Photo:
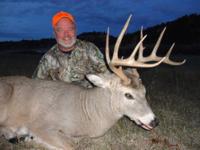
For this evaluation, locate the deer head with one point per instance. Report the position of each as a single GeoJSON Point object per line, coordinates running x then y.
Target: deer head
{"type": "Point", "coordinates": [129, 86]}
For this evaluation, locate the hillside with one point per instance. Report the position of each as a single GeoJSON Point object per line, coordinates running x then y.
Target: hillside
{"type": "Point", "coordinates": [185, 31]}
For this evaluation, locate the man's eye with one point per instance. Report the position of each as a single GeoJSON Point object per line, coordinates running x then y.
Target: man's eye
{"type": "Point", "coordinates": [129, 96]}
{"type": "Point", "coordinates": [59, 30]}
{"type": "Point", "coordinates": [71, 29]}
{"type": "Point", "coordinates": [62, 31]}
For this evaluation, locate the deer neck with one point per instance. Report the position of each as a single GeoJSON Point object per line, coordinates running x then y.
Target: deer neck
{"type": "Point", "coordinates": [99, 103]}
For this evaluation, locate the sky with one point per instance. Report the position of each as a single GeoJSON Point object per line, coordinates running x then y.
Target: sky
{"type": "Point", "coordinates": [31, 19]}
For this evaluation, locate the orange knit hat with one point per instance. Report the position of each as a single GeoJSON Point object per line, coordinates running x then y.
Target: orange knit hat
{"type": "Point", "coordinates": [60, 15]}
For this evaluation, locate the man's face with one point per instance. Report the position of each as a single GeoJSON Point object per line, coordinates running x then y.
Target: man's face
{"type": "Point", "coordinates": [65, 33]}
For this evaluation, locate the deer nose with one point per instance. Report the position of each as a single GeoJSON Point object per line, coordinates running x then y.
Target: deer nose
{"type": "Point", "coordinates": [154, 123]}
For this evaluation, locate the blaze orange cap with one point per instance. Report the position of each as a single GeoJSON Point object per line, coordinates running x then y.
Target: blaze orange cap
{"type": "Point", "coordinates": [60, 15]}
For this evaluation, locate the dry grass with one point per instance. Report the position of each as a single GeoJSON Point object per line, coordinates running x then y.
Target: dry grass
{"type": "Point", "coordinates": [172, 92]}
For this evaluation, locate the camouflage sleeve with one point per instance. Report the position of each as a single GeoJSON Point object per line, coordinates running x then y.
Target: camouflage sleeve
{"type": "Point", "coordinates": [97, 59]}
{"type": "Point", "coordinates": [46, 68]}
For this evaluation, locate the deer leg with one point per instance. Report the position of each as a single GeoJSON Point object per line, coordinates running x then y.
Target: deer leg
{"type": "Point", "coordinates": [51, 139]}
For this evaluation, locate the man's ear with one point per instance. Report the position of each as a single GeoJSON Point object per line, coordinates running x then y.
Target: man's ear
{"type": "Point", "coordinates": [97, 80]}
{"type": "Point", "coordinates": [54, 34]}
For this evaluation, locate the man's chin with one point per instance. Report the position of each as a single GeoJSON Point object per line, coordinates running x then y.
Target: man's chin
{"type": "Point", "coordinates": [65, 48]}
{"type": "Point", "coordinates": [64, 45]}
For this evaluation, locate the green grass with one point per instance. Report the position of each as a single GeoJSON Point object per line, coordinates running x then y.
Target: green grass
{"type": "Point", "coordinates": [172, 92]}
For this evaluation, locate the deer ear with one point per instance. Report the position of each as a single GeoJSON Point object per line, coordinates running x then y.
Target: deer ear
{"type": "Point", "coordinates": [97, 80]}
{"type": "Point", "coordinates": [134, 76]}
{"type": "Point", "coordinates": [132, 72]}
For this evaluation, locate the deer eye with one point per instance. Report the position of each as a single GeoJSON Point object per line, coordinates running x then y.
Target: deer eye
{"type": "Point", "coordinates": [129, 96]}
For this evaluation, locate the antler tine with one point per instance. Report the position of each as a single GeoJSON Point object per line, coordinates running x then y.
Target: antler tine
{"type": "Point", "coordinates": [168, 61]}
{"type": "Point", "coordinates": [141, 48]}
{"type": "Point", "coordinates": [137, 47]}
{"type": "Point", "coordinates": [107, 47]}
{"type": "Point", "coordinates": [153, 53]}
{"type": "Point", "coordinates": [119, 39]}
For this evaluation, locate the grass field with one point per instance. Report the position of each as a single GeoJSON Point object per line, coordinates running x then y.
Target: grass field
{"type": "Point", "coordinates": [172, 92]}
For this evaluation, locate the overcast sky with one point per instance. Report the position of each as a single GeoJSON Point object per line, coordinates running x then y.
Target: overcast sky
{"type": "Point", "coordinates": [31, 19]}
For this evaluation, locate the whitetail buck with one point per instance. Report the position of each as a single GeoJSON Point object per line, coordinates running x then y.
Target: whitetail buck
{"type": "Point", "coordinates": [54, 113]}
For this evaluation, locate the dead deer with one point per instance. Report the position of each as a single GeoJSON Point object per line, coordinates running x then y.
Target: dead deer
{"type": "Point", "coordinates": [54, 113]}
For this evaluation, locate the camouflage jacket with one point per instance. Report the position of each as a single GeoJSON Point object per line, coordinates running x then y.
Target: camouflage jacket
{"type": "Point", "coordinates": [71, 66]}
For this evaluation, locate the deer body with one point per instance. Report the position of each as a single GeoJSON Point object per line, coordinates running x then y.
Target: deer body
{"type": "Point", "coordinates": [74, 105]}
{"type": "Point", "coordinates": [66, 109]}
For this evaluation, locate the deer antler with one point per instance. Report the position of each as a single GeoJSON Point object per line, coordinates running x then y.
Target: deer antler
{"type": "Point", "coordinates": [116, 64]}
